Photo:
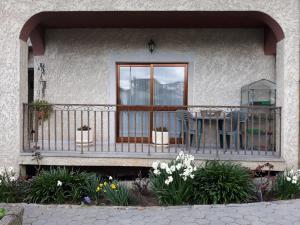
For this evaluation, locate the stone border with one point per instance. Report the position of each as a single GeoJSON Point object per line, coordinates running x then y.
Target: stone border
{"type": "Point", "coordinates": [14, 215]}
{"type": "Point", "coordinates": [278, 202]}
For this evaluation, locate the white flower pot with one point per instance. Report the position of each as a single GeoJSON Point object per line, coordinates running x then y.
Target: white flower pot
{"type": "Point", "coordinates": [161, 138]}
{"type": "Point", "coordinates": [86, 139]}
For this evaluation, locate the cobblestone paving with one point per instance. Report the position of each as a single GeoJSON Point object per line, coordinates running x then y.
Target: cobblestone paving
{"type": "Point", "coordinates": [282, 212]}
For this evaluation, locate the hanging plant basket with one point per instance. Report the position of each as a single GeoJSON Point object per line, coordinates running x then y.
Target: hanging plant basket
{"type": "Point", "coordinates": [42, 109]}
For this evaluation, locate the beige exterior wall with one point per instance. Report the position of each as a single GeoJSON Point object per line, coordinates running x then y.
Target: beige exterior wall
{"type": "Point", "coordinates": [14, 14]}
{"type": "Point", "coordinates": [81, 63]}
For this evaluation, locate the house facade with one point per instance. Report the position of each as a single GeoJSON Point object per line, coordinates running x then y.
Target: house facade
{"type": "Point", "coordinates": [127, 82]}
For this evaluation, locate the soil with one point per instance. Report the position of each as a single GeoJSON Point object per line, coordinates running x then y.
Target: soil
{"type": "Point", "coordinates": [146, 199]}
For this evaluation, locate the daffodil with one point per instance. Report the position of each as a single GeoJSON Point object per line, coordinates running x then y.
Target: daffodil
{"type": "Point", "coordinates": [98, 189]}
{"type": "Point", "coordinates": [100, 185]}
{"type": "Point", "coordinates": [105, 183]}
{"type": "Point", "coordinates": [59, 183]}
{"type": "Point", "coordinates": [113, 186]}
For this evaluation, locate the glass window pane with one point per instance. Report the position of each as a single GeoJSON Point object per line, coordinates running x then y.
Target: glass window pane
{"type": "Point", "coordinates": [169, 85]}
{"type": "Point", "coordinates": [137, 126]}
{"type": "Point", "coordinates": [134, 85]}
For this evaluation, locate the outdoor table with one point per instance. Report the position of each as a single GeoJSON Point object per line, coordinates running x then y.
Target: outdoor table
{"type": "Point", "coordinates": [201, 121]}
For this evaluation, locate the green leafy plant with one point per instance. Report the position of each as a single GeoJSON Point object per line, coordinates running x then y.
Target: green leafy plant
{"type": "Point", "coordinates": [172, 183]}
{"type": "Point", "coordinates": [161, 129]}
{"type": "Point", "coordinates": [11, 188]}
{"type": "Point", "coordinates": [116, 193]}
{"type": "Point", "coordinates": [91, 185]}
{"type": "Point", "coordinates": [221, 183]}
{"type": "Point", "coordinates": [42, 108]}
{"type": "Point", "coordinates": [84, 128]}
{"type": "Point", "coordinates": [2, 213]}
{"type": "Point", "coordinates": [288, 185]}
{"type": "Point", "coordinates": [59, 186]}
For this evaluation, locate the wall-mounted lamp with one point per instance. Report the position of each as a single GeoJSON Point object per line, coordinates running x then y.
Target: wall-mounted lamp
{"type": "Point", "coordinates": [151, 46]}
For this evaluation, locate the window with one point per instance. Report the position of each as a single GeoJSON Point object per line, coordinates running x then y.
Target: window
{"type": "Point", "coordinates": [143, 89]}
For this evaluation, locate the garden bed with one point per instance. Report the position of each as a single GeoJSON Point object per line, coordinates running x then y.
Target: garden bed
{"type": "Point", "coordinates": [179, 182]}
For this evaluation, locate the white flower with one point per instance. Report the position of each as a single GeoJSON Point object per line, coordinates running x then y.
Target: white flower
{"type": "Point", "coordinates": [155, 165]}
{"type": "Point", "coordinates": [173, 168]}
{"type": "Point", "coordinates": [12, 179]}
{"type": "Point", "coordinates": [2, 171]}
{"type": "Point", "coordinates": [59, 183]}
{"type": "Point", "coordinates": [163, 165]}
{"type": "Point", "coordinates": [178, 166]}
{"type": "Point", "coordinates": [294, 182]}
{"type": "Point", "coordinates": [288, 179]}
{"type": "Point", "coordinates": [180, 156]}
{"type": "Point", "coordinates": [295, 178]}
{"type": "Point", "coordinates": [192, 176]}
{"type": "Point", "coordinates": [168, 170]}
{"type": "Point", "coordinates": [0, 181]}
{"type": "Point", "coordinates": [110, 178]}
{"type": "Point", "coordinates": [169, 180]}
{"type": "Point", "coordinates": [10, 169]}
{"type": "Point", "coordinates": [156, 172]}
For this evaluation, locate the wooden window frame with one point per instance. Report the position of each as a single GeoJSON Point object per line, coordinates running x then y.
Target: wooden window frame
{"type": "Point", "coordinates": [151, 107]}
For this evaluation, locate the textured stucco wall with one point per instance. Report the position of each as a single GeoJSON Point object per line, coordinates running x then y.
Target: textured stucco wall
{"type": "Point", "coordinates": [15, 13]}
{"type": "Point", "coordinates": [80, 64]}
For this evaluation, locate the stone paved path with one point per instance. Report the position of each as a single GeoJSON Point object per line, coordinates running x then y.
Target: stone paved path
{"type": "Point", "coordinates": [282, 212]}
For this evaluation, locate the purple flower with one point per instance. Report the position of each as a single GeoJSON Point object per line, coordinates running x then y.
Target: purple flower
{"type": "Point", "coordinates": [87, 200]}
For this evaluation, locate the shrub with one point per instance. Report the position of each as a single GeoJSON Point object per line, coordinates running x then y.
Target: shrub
{"type": "Point", "coordinates": [59, 186]}
{"type": "Point", "coordinates": [140, 185]}
{"type": "Point", "coordinates": [11, 188]}
{"type": "Point", "coordinates": [116, 193]}
{"type": "Point", "coordinates": [172, 183]}
{"type": "Point", "coordinates": [288, 185]}
{"type": "Point", "coordinates": [221, 183]}
{"type": "Point", "coordinates": [265, 181]}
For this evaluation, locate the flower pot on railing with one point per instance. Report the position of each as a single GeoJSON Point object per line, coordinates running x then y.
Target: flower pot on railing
{"type": "Point", "coordinates": [84, 136]}
{"type": "Point", "coordinates": [160, 136]}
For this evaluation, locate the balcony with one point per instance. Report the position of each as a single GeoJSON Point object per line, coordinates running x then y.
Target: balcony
{"type": "Point", "coordinates": [208, 132]}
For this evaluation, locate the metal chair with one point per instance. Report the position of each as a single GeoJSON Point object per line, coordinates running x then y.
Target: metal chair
{"type": "Point", "coordinates": [187, 127]}
{"type": "Point", "coordinates": [231, 129]}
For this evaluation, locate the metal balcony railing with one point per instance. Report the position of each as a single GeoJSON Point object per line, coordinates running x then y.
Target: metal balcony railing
{"type": "Point", "coordinates": [146, 130]}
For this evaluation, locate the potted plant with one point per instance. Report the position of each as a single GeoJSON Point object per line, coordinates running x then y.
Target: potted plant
{"type": "Point", "coordinates": [160, 136]}
{"type": "Point", "coordinates": [84, 135]}
{"type": "Point", "coordinates": [42, 108]}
